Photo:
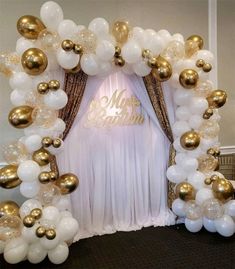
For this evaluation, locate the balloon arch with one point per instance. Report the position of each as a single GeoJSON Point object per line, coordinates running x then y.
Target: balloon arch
{"type": "Point", "coordinates": [42, 226]}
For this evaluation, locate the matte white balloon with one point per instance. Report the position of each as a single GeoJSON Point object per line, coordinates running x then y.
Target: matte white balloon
{"type": "Point", "coordinates": [22, 44]}
{"type": "Point", "coordinates": [17, 97]}
{"type": "Point", "coordinates": [141, 68]}
{"type": "Point", "coordinates": [198, 105]}
{"type": "Point", "coordinates": [175, 174]}
{"type": "Point", "coordinates": [29, 189]}
{"type": "Point", "coordinates": [50, 244]}
{"type": "Point", "coordinates": [180, 127]}
{"type": "Point", "coordinates": [104, 68]}
{"type": "Point", "coordinates": [230, 208]}
{"type": "Point", "coordinates": [177, 145]}
{"type": "Point", "coordinates": [59, 254]}
{"type": "Point", "coordinates": [137, 34]}
{"type": "Point", "coordinates": [36, 253]}
{"type": "Point", "coordinates": [206, 55]}
{"type": "Point", "coordinates": [33, 143]}
{"type": "Point", "coordinates": [89, 64]}
{"type": "Point", "coordinates": [183, 113]}
{"type": "Point", "coordinates": [195, 121]}
{"type": "Point", "coordinates": [51, 213]}
{"type": "Point", "coordinates": [67, 59]}
{"type": "Point", "coordinates": [29, 234]}
{"type": "Point", "coordinates": [189, 164]}
{"type": "Point", "coordinates": [67, 29]}
{"type": "Point", "coordinates": [203, 194]}
{"type": "Point", "coordinates": [128, 69]}
{"type": "Point", "coordinates": [99, 26]}
{"type": "Point", "coordinates": [29, 205]}
{"type": "Point", "coordinates": [15, 250]}
{"type": "Point", "coordinates": [166, 36]}
{"type": "Point", "coordinates": [209, 225]}
{"type": "Point", "coordinates": [225, 226]}
{"type": "Point", "coordinates": [153, 42]}
{"type": "Point", "coordinates": [197, 180]}
{"type": "Point", "coordinates": [67, 228]}
{"type": "Point", "coordinates": [51, 14]}
{"type": "Point", "coordinates": [193, 226]}
{"type": "Point", "coordinates": [56, 99]}
{"type": "Point", "coordinates": [105, 50]}
{"type": "Point", "coordinates": [28, 171]}
{"type": "Point", "coordinates": [131, 52]}
{"type": "Point", "coordinates": [21, 81]}
{"type": "Point", "coordinates": [2, 246]}
{"type": "Point", "coordinates": [178, 207]}
{"type": "Point", "coordinates": [182, 97]}
{"type": "Point", "coordinates": [180, 158]}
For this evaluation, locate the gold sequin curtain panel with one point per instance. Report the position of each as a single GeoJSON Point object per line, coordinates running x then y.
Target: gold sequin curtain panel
{"type": "Point", "coordinates": [156, 96]}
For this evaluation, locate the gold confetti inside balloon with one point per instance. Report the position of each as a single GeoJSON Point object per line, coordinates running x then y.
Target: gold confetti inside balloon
{"type": "Point", "coordinates": [21, 117]}
{"type": "Point", "coordinates": [162, 70]}
{"type": "Point", "coordinates": [191, 47]}
{"type": "Point", "coordinates": [67, 183]}
{"type": "Point", "coordinates": [217, 98]}
{"type": "Point", "coordinates": [48, 40]}
{"type": "Point", "coordinates": [34, 61]}
{"type": "Point", "coordinates": [8, 177]}
{"type": "Point", "coordinates": [88, 40]}
{"type": "Point", "coordinates": [223, 189]}
{"type": "Point", "coordinates": [49, 194]}
{"type": "Point", "coordinates": [207, 163]}
{"type": "Point", "coordinates": [120, 31]}
{"type": "Point", "coordinates": [190, 140]}
{"type": "Point", "coordinates": [9, 208]}
{"type": "Point", "coordinates": [188, 78]}
{"type": "Point", "coordinates": [185, 191]}
{"type": "Point", "coordinates": [15, 152]}
{"type": "Point", "coordinates": [42, 157]}
{"type": "Point", "coordinates": [203, 89]}
{"type": "Point", "coordinates": [44, 116]}
{"type": "Point", "coordinates": [209, 129]}
{"type": "Point", "coordinates": [33, 98]}
{"type": "Point", "coordinates": [10, 227]}
{"type": "Point", "coordinates": [30, 26]}
{"type": "Point", "coordinates": [174, 51]}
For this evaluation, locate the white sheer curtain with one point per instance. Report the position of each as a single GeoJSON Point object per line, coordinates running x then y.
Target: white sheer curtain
{"type": "Point", "coordinates": [122, 169]}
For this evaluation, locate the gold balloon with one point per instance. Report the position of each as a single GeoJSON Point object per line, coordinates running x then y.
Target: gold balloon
{"type": "Point", "coordinates": [198, 39]}
{"type": "Point", "coordinates": [29, 221]}
{"type": "Point", "coordinates": [190, 140]}
{"type": "Point", "coordinates": [146, 54]}
{"type": "Point", "coordinates": [185, 191]}
{"type": "Point", "coordinates": [191, 47]}
{"type": "Point", "coordinates": [57, 143]}
{"type": "Point", "coordinates": [53, 175]}
{"type": "Point", "coordinates": [208, 113]}
{"type": "Point", "coordinates": [21, 117]}
{"type": "Point", "coordinates": [54, 85]}
{"type": "Point", "coordinates": [29, 26]}
{"type": "Point", "coordinates": [8, 177]}
{"type": "Point", "coordinates": [217, 98]}
{"type": "Point", "coordinates": [67, 45]}
{"type": "Point", "coordinates": [162, 70]}
{"type": "Point", "coordinates": [36, 213]}
{"type": "Point", "coordinates": [117, 51]}
{"type": "Point", "coordinates": [44, 177]}
{"type": "Point", "coordinates": [43, 88]}
{"type": "Point", "coordinates": [200, 63]}
{"type": "Point", "coordinates": [119, 61]}
{"type": "Point", "coordinates": [10, 227]}
{"type": "Point", "coordinates": [47, 142]}
{"type": "Point", "coordinates": [50, 234]}
{"type": "Point", "coordinates": [40, 231]}
{"type": "Point", "coordinates": [34, 61]}
{"type": "Point", "coordinates": [120, 31]}
{"type": "Point", "coordinates": [67, 183]}
{"type": "Point", "coordinates": [9, 208]}
{"type": "Point", "coordinates": [188, 78]}
{"type": "Point", "coordinates": [42, 157]}
{"type": "Point", "coordinates": [223, 189]}
{"type": "Point", "coordinates": [77, 48]}
{"type": "Point", "coordinates": [207, 67]}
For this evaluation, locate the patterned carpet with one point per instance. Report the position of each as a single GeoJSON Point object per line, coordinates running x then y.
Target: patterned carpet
{"type": "Point", "coordinates": [150, 248]}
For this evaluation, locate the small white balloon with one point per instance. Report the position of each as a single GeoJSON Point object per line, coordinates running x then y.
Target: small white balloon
{"type": "Point", "coordinates": [105, 50]}
{"type": "Point", "coordinates": [29, 189]}
{"type": "Point", "coordinates": [193, 226]}
{"type": "Point", "coordinates": [195, 121]}
{"type": "Point", "coordinates": [67, 228]}
{"type": "Point", "coordinates": [230, 208]}
{"type": "Point", "coordinates": [196, 179]}
{"type": "Point", "coordinates": [67, 59]}
{"type": "Point", "coordinates": [67, 29]}
{"type": "Point", "coordinates": [178, 207]}
{"type": "Point", "coordinates": [131, 52]}
{"type": "Point", "coordinates": [99, 26]}
{"type": "Point", "coordinates": [33, 143]}
{"type": "Point", "coordinates": [203, 194]}
{"type": "Point", "coordinates": [104, 68]}
{"type": "Point", "coordinates": [36, 253]}
{"type": "Point", "coordinates": [198, 105]}
{"type": "Point", "coordinates": [209, 225]}
{"type": "Point", "coordinates": [59, 254]}
{"type": "Point", "coordinates": [175, 174]}
{"type": "Point", "coordinates": [56, 99]}
{"type": "Point", "coordinates": [17, 97]}
{"type": "Point", "coordinates": [22, 44]}
{"type": "Point", "coordinates": [141, 68]}
{"type": "Point", "coordinates": [178, 37]}
{"type": "Point", "coordinates": [15, 250]}
{"type": "Point", "coordinates": [225, 226]}
{"type": "Point", "coordinates": [28, 171]}
{"type": "Point", "coordinates": [89, 64]}
{"type": "Point", "coordinates": [21, 81]}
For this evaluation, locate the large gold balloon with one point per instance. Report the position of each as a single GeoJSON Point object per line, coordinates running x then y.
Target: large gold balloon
{"type": "Point", "coordinates": [217, 98]}
{"type": "Point", "coordinates": [185, 191]}
{"type": "Point", "coordinates": [190, 140]}
{"type": "Point", "coordinates": [120, 31]}
{"type": "Point", "coordinates": [188, 78]}
{"type": "Point", "coordinates": [8, 177]}
{"type": "Point", "coordinates": [198, 39]}
{"type": "Point", "coordinates": [42, 157]}
{"type": "Point", "coordinates": [9, 208]}
{"type": "Point", "coordinates": [10, 227]}
{"type": "Point", "coordinates": [223, 189]}
{"type": "Point", "coordinates": [29, 26]}
{"type": "Point", "coordinates": [162, 70]}
{"type": "Point", "coordinates": [21, 117]}
{"type": "Point", "coordinates": [34, 61]}
{"type": "Point", "coordinates": [67, 183]}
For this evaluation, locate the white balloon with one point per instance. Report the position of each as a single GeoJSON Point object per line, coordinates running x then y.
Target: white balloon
{"type": "Point", "coordinates": [21, 81]}
{"type": "Point", "coordinates": [99, 26]}
{"type": "Point", "coordinates": [28, 171]}
{"type": "Point", "coordinates": [105, 50]}
{"type": "Point", "coordinates": [56, 151]}
{"type": "Point", "coordinates": [182, 97]}
{"type": "Point", "coordinates": [153, 42]}
{"type": "Point", "coordinates": [29, 189]}
{"type": "Point", "coordinates": [67, 59]}
{"type": "Point", "coordinates": [180, 158]}
{"type": "Point", "coordinates": [198, 105]}
{"type": "Point", "coordinates": [56, 99]}
{"type": "Point", "coordinates": [230, 208]}
{"type": "Point", "coordinates": [183, 113]}
{"type": "Point", "coordinates": [209, 225]}
{"type": "Point", "coordinates": [189, 165]}
{"type": "Point", "coordinates": [58, 128]}
{"type": "Point", "coordinates": [67, 228]}
{"type": "Point", "coordinates": [193, 226]}
{"type": "Point", "coordinates": [33, 143]}
{"type": "Point", "coordinates": [29, 205]}
{"type": "Point", "coordinates": [225, 226]}
{"type": "Point", "coordinates": [177, 145]}
{"type": "Point", "coordinates": [52, 61]}
{"type": "Point", "coordinates": [205, 144]}
{"type": "Point", "coordinates": [180, 127]}
{"type": "Point", "coordinates": [203, 194]}
{"type": "Point", "coordinates": [196, 152]}
{"type": "Point", "coordinates": [141, 68]}
{"type": "Point", "coordinates": [184, 64]}
{"type": "Point", "coordinates": [15, 250]}
{"type": "Point", "coordinates": [104, 68]}
{"type": "Point", "coordinates": [195, 121]}
{"type": "Point", "coordinates": [197, 180]}
{"type": "Point", "coordinates": [206, 55]}
{"type": "Point", "coordinates": [128, 69]}
{"type": "Point", "coordinates": [17, 97]}
{"type": "Point", "coordinates": [66, 214]}
{"type": "Point", "coordinates": [63, 204]}
{"type": "Point", "coordinates": [178, 207]}
{"type": "Point", "coordinates": [178, 37]}
{"type": "Point", "coordinates": [22, 44]}
{"type": "Point", "coordinates": [51, 213]}
{"type": "Point", "coordinates": [29, 234]}
{"type": "Point", "coordinates": [50, 244]}
{"type": "Point", "coordinates": [2, 246]}
{"type": "Point", "coordinates": [59, 254]}
{"type": "Point", "coordinates": [51, 14]}
{"type": "Point", "coordinates": [36, 253]}
{"type": "Point", "coordinates": [138, 35]}
{"type": "Point", "coordinates": [67, 29]}
{"type": "Point", "coordinates": [131, 52]}
{"type": "Point", "coordinates": [175, 174]}
{"type": "Point", "coordinates": [89, 64]}
{"type": "Point", "coordinates": [166, 36]}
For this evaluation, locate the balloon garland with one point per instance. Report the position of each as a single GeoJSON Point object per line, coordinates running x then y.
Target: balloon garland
{"type": "Point", "coordinates": [42, 225]}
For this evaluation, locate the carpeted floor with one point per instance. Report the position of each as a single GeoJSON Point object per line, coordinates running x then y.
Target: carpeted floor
{"type": "Point", "coordinates": [157, 248]}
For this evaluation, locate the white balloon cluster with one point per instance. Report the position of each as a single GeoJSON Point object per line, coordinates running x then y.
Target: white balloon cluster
{"type": "Point", "coordinates": [36, 246]}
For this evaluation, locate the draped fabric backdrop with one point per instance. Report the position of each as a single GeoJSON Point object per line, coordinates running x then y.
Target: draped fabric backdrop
{"type": "Point", "coordinates": [122, 169]}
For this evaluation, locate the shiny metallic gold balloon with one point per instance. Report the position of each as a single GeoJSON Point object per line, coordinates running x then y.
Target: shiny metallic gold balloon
{"type": "Point", "coordinates": [10, 227]}
{"type": "Point", "coordinates": [42, 157]}
{"type": "Point", "coordinates": [8, 177]}
{"type": "Point", "coordinates": [146, 54]}
{"type": "Point", "coordinates": [217, 98]}
{"type": "Point", "coordinates": [43, 88]}
{"type": "Point", "coordinates": [119, 61]}
{"type": "Point", "coordinates": [208, 113]}
{"type": "Point", "coordinates": [198, 39]}
{"type": "Point", "coordinates": [207, 67]}
{"type": "Point", "coordinates": [67, 183]}
{"type": "Point", "coordinates": [57, 143]}
{"type": "Point", "coordinates": [50, 234]}
{"type": "Point", "coordinates": [188, 78]}
{"type": "Point", "coordinates": [223, 189]}
{"type": "Point", "coordinates": [29, 221]}
{"type": "Point", "coordinates": [53, 175]}
{"type": "Point", "coordinates": [185, 191]}
{"type": "Point", "coordinates": [67, 45]}
{"type": "Point", "coordinates": [9, 208]}
{"type": "Point", "coordinates": [54, 85]}
{"type": "Point", "coordinates": [120, 31]}
{"type": "Point", "coordinates": [34, 61]}
{"type": "Point", "coordinates": [30, 26]}
{"type": "Point", "coordinates": [117, 51]}
{"type": "Point", "coordinates": [77, 48]}
{"type": "Point", "coordinates": [190, 140]}
{"type": "Point", "coordinates": [21, 117]}
{"type": "Point", "coordinates": [47, 142]}
{"type": "Point", "coordinates": [200, 63]}
{"type": "Point", "coordinates": [152, 62]}
{"type": "Point", "coordinates": [36, 213]}
{"type": "Point", "coordinates": [40, 231]}
{"type": "Point", "coordinates": [44, 177]}
{"type": "Point", "coordinates": [163, 70]}
{"type": "Point", "coordinates": [208, 181]}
